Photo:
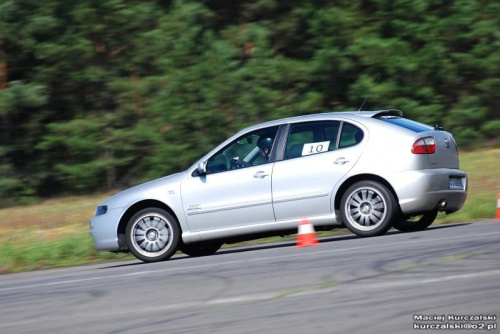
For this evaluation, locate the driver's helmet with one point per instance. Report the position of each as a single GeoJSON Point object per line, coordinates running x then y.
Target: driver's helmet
{"type": "Point", "coordinates": [265, 142]}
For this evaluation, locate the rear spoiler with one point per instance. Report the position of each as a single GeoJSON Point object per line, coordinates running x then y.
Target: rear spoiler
{"type": "Point", "coordinates": [390, 112]}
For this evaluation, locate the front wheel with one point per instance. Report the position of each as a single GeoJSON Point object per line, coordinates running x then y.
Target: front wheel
{"type": "Point", "coordinates": [152, 235]}
{"type": "Point", "coordinates": [416, 223]}
{"type": "Point", "coordinates": [368, 208]}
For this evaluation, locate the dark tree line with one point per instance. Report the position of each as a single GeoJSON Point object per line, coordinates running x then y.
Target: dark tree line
{"type": "Point", "coordinates": [99, 94]}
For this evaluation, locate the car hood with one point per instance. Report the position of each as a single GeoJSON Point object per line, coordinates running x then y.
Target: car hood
{"type": "Point", "coordinates": [156, 189]}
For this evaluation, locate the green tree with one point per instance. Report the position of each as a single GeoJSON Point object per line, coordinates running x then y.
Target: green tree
{"type": "Point", "coordinates": [102, 94]}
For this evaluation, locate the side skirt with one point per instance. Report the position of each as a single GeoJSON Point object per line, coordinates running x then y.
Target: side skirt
{"type": "Point", "coordinates": [255, 231]}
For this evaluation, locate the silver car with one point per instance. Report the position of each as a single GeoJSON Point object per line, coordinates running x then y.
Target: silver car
{"type": "Point", "coordinates": [369, 171]}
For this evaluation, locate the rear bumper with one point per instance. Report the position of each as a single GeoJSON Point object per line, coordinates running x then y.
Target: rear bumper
{"type": "Point", "coordinates": [423, 190]}
{"type": "Point", "coordinates": [104, 230]}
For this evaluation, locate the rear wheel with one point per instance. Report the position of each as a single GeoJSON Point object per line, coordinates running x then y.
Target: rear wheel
{"type": "Point", "coordinates": [416, 223]}
{"type": "Point", "coordinates": [201, 248]}
{"type": "Point", "coordinates": [368, 208]}
{"type": "Point", "coordinates": [152, 235]}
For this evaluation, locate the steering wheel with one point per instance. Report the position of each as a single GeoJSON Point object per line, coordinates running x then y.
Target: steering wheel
{"type": "Point", "coordinates": [237, 163]}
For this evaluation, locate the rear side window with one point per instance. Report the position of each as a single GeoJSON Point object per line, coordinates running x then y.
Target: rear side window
{"type": "Point", "coordinates": [407, 124]}
{"type": "Point", "coordinates": [311, 138]}
{"type": "Point", "coordinates": [350, 136]}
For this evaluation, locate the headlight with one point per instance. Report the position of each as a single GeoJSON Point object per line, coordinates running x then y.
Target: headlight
{"type": "Point", "coordinates": [102, 209]}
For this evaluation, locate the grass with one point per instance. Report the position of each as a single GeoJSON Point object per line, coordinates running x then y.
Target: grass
{"type": "Point", "coordinates": [483, 171]}
{"type": "Point", "coordinates": [32, 250]}
{"type": "Point", "coordinates": [55, 233]}
{"type": "Point", "coordinates": [50, 214]}
{"type": "Point", "coordinates": [50, 234]}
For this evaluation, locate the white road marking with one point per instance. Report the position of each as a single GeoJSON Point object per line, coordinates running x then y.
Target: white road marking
{"type": "Point", "coordinates": [208, 265]}
{"type": "Point", "coordinates": [343, 286]}
{"type": "Point", "coordinates": [405, 283]}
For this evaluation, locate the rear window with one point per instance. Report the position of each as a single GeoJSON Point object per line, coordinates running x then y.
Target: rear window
{"type": "Point", "coordinates": [406, 123]}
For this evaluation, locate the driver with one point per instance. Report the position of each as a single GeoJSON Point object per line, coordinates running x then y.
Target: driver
{"type": "Point", "coordinates": [265, 144]}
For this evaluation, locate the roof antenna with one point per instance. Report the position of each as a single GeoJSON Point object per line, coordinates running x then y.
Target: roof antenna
{"type": "Point", "coordinates": [362, 104]}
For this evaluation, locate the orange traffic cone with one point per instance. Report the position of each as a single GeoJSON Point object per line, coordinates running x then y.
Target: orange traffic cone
{"type": "Point", "coordinates": [498, 206]}
{"type": "Point", "coordinates": [306, 235]}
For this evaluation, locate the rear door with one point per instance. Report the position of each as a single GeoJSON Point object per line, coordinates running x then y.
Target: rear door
{"type": "Point", "coordinates": [316, 156]}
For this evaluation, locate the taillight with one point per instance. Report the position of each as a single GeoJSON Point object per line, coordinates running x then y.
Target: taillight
{"type": "Point", "coordinates": [425, 145]}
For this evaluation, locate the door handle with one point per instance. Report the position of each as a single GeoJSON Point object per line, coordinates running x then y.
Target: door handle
{"type": "Point", "coordinates": [341, 161]}
{"type": "Point", "coordinates": [260, 175]}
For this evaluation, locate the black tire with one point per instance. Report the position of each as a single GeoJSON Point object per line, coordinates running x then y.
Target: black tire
{"type": "Point", "coordinates": [419, 224]}
{"type": "Point", "coordinates": [201, 248]}
{"type": "Point", "coordinates": [368, 208]}
{"type": "Point", "coordinates": [152, 235]}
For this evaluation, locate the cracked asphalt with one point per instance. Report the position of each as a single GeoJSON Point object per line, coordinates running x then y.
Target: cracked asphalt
{"type": "Point", "coordinates": [345, 284]}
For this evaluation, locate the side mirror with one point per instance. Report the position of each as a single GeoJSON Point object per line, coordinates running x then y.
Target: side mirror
{"type": "Point", "coordinates": [202, 168]}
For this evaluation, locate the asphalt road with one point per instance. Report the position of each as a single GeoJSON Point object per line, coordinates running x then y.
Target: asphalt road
{"type": "Point", "coordinates": [344, 285]}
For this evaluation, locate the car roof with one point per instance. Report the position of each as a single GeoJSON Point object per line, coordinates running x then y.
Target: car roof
{"type": "Point", "coordinates": [322, 116]}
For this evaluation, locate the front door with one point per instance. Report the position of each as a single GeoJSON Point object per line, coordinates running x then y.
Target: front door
{"type": "Point", "coordinates": [236, 190]}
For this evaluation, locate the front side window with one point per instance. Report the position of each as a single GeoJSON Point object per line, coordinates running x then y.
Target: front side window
{"type": "Point", "coordinates": [311, 138]}
{"type": "Point", "coordinates": [251, 149]}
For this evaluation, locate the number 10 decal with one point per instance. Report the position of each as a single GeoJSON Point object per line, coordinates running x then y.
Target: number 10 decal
{"type": "Point", "coordinates": [313, 148]}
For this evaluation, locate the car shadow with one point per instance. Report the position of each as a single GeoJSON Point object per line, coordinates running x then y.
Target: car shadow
{"type": "Point", "coordinates": [284, 244]}
{"type": "Point", "coordinates": [139, 263]}
{"type": "Point", "coordinates": [431, 228]}
{"type": "Point", "coordinates": [437, 227]}
{"type": "Point", "coordinates": [325, 240]}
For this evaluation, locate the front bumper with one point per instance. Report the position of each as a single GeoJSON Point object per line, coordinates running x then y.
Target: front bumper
{"type": "Point", "coordinates": [104, 229]}
{"type": "Point", "coordinates": [423, 190]}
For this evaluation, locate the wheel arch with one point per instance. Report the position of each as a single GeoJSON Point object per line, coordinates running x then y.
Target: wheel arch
{"type": "Point", "coordinates": [136, 207]}
{"type": "Point", "coordinates": [362, 177]}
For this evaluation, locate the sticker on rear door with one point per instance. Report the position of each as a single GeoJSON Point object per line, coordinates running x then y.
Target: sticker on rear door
{"type": "Point", "coordinates": [313, 148]}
